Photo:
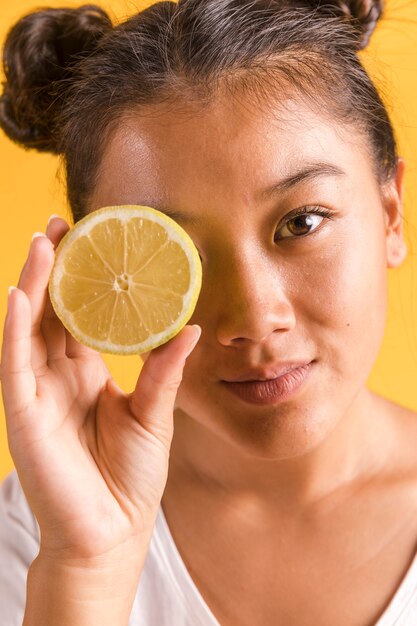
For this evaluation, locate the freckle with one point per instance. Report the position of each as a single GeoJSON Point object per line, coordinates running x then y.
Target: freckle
{"type": "Point", "coordinates": [348, 324]}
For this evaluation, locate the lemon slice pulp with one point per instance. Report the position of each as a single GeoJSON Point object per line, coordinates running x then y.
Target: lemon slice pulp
{"type": "Point", "coordinates": [125, 280]}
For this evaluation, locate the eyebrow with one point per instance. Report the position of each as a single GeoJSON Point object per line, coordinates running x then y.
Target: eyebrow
{"type": "Point", "coordinates": [307, 173]}
{"type": "Point", "coordinates": [179, 216]}
{"type": "Point", "coordinates": [310, 172]}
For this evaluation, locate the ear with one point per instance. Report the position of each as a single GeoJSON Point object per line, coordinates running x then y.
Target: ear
{"type": "Point", "coordinates": [392, 200]}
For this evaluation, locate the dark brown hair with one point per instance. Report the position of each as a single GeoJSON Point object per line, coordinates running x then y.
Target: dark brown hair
{"type": "Point", "coordinates": [71, 76]}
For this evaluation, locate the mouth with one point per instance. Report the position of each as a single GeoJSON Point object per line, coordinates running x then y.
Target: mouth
{"type": "Point", "coordinates": [267, 389]}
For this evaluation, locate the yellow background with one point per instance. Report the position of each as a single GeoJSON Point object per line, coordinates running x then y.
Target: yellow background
{"type": "Point", "coordinates": [30, 191]}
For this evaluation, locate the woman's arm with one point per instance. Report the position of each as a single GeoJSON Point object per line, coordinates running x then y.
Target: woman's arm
{"type": "Point", "coordinates": [99, 592]}
{"type": "Point", "coordinates": [91, 459]}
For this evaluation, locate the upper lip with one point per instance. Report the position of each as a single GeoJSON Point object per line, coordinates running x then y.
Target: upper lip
{"type": "Point", "coordinates": [266, 373]}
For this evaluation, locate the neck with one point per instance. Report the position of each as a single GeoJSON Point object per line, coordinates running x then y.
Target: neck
{"type": "Point", "coordinates": [356, 449]}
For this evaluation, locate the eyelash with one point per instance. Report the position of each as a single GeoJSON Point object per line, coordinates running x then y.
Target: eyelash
{"type": "Point", "coordinates": [315, 210]}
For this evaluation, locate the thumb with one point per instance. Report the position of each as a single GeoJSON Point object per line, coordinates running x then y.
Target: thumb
{"type": "Point", "coordinates": [152, 402]}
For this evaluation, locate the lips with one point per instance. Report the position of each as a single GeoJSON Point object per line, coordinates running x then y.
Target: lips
{"type": "Point", "coordinates": [262, 374]}
{"type": "Point", "coordinates": [268, 389]}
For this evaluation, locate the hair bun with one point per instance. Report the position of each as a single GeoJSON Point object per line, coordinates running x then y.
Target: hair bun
{"type": "Point", "coordinates": [41, 51]}
{"type": "Point", "coordinates": [363, 14]}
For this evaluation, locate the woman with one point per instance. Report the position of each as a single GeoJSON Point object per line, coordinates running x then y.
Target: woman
{"type": "Point", "coordinates": [286, 493]}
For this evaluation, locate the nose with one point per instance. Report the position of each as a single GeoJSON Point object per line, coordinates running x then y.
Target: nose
{"type": "Point", "coordinates": [251, 301]}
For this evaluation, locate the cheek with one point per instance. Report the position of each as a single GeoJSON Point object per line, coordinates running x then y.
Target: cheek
{"type": "Point", "coordinates": [194, 372]}
{"type": "Point", "coordinates": [345, 299]}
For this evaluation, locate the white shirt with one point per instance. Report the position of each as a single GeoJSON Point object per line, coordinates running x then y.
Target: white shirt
{"type": "Point", "coordinates": [166, 595]}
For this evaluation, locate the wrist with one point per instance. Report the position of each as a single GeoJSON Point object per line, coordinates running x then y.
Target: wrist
{"type": "Point", "coordinates": [86, 592]}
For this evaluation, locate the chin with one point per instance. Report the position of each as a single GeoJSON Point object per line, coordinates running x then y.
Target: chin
{"type": "Point", "coordinates": [281, 432]}
{"type": "Point", "coordinates": [275, 437]}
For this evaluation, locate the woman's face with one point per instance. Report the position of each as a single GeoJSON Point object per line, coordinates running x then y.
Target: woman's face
{"type": "Point", "coordinates": [277, 290]}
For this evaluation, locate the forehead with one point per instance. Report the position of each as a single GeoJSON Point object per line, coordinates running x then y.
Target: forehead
{"type": "Point", "coordinates": [156, 156]}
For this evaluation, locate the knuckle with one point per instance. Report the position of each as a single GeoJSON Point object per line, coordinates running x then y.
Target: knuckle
{"type": "Point", "coordinates": [16, 371]}
{"type": "Point", "coordinates": [158, 375]}
{"type": "Point", "coordinates": [169, 384]}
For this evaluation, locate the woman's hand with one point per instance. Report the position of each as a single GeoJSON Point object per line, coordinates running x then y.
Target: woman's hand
{"type": "Point", "coordinates": [92, 460]}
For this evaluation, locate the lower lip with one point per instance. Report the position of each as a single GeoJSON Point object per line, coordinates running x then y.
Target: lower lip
{"type": "Point", "coordinates": [270, 391]}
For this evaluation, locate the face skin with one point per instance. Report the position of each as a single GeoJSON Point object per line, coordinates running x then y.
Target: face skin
{"type": "Point", "coordinates": [270, 295]}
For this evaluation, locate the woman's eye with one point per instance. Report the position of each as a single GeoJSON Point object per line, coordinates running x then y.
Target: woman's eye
{"type": "Point", "coordinates": [302, 223]}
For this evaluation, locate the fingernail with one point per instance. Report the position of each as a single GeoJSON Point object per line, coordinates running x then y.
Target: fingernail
{"type": "Point", "coordinates": [196, 337]}
{"type": "Point", "coordinates": [197, 329]}
{"type": "Point", "coordinates": [11, 288]}
{"type": "Point", "coordinates": [35, 235]}
{"type": "Point", "coordinates": [52, 217]}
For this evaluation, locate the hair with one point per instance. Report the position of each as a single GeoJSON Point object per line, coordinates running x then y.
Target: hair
{"type": "Point", "coordinates": [71, 76]}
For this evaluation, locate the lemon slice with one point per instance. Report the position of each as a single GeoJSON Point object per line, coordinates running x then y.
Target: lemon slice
{"type": "Point", "coordinates": [125, 280]}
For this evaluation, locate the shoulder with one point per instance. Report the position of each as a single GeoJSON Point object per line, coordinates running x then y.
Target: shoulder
{"type": "Point", "coordinates": [12, 496]}
{"type": "Point", "coordinates": [402, 420]}
{"type": "Point", "coordinates": [19, 545]}
{"type": "Point", "coordinates": [18, 525]}
{"type": "Point", "coordinates": [403, 417]}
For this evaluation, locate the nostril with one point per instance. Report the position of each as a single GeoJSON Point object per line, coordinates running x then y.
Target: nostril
{"type": "Point", "coordinates": [256, 328]}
